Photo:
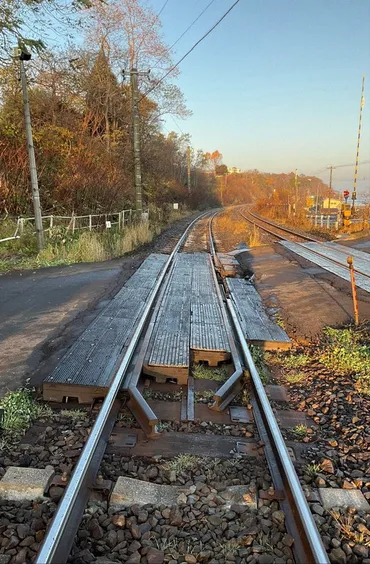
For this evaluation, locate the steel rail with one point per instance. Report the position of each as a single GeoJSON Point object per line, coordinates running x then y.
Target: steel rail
{"type": "Point", "coordinates": [314, 251]}
{"type": "Point", "coordinates": [233, 385]}
{"type": "Point", "coordinates": [61, 533]}
{"type": "Point", "coordinates": [286, 229]}
{"type": "Point", "coordinates": [308, 546]}
{"type": "Point", "coordinates": [311, 540]}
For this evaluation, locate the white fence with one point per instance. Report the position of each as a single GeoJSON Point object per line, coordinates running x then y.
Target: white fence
{"type": "Point", "coordinates": [78, 222]}
{"type": "Point", "coordinates": [330, 221]}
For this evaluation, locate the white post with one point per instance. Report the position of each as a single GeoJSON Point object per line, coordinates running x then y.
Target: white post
{"type": "Point", "coordinates": [73, 223]}
{"type": "Point", "coordinates": [90, 222]}
{"type": "Point", "coordinates": [21, 225]}
{"type": "Point", "coordinates": [51, 222]}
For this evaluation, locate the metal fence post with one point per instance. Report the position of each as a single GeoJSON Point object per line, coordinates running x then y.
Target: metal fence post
{"type": "Point", "coordinates": [51, 225]}
{"type": "Point", "coordinates": [90, 222]}
{"type": "Point", "coordinates": [73, 223]}
{"type": "Point", "coordinates": [21, 225]}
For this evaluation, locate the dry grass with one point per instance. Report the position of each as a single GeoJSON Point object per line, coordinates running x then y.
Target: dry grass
{"type": "Point", "coordinates": [231, 229]}
{"type": "Point", "coordinates": [346, 526]}
{"type": "Point", "coordinates": [83, 247]}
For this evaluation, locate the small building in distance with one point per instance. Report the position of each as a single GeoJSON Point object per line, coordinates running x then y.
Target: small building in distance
{"type": "Point", "coordinates": [336, 204]}
{"type": "Point", "coordinates": [233, 170]}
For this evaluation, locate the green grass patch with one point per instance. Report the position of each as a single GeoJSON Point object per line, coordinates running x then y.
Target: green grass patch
{"type": "Point", "coordinates": [300, 430]}
{"type": "Point", "coordinates": [295, 377]}
{"type": "Point", "coordinates": [21, 410]}
{"type": "Point", "coordinates": [74, 414]}
{"type": "Point", "coordinates": [294, 361]}
{"type": "Point", "coordinates": [259, 359]}
{"type": "Point", "coordinates": [183, 462]}
{"type": "Point", "coordinates": [347, 352]}
{"type": "Point", "coordinates": [202, 372]}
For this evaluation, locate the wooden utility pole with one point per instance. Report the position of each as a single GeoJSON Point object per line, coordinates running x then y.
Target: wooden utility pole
{"type": "Point", "coordinates": [188, 155]}
{"type": "Point", "coordinates": [23, 56]}
{"type": "Point", "coordinates": [295, 191]}
{"type": "Point", "coordinates": [136, 141]}
{"type": "Point", "coordinates": [330, 182]}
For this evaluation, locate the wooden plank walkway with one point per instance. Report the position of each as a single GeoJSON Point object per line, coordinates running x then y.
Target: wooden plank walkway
{"type": "Point", "coordinates": [337, 252]}
{"type": "Point", "coordinates": [208, 338]}
{"type": "Point", "coordinates": [229, 265]}
{"type": "Point", "coordinates": [257, 326]}
{"type": "Point", "coordinates": [189, 325]}
{"type": "Point", "coordinates": [168, 353]}
{"type": "Point", "coordinates": [86, 370]}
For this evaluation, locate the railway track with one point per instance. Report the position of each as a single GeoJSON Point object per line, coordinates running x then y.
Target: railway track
{"type": "Point", "coordinates": [286, 489]}
{"type": "Point", "coordinates": [329, 255]}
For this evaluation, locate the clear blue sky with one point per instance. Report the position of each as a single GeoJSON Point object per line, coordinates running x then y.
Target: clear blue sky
{"type": "Point", "coordinates": [277, 85]}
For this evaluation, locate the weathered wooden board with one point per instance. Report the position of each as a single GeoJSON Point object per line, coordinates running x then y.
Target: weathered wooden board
{"type": "Point", "coordinates": [257, 326]}
{"type": "Point", "coordinates": [91, 360]}
{"type": "Point", "coordinates": [189, 324]}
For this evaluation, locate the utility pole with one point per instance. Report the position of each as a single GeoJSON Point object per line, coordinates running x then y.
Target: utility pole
{"type": "Point", "coordinates": [188, 155]}
{"type": "Point", "coordinates": [136, 141]}
{"type": "Point", "coordinates": [362, 104]}
{"type": "Point", "coordinates": [330, 182]}
{"type": "Point", "coordinates": [296, 191]}
{"type": "Point", "coordinates": [23, 56]}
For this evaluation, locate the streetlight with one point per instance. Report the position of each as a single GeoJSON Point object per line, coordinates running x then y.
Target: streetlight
{"type": "Point", "coordinates": [23, 55]}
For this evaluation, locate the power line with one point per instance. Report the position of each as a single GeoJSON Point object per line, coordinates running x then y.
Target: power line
{"type": "Point", "coordinates": [163, 7]}
{"type": "Point", "coordinates": [351, 164]}
{"type": "Point", "coordinates": [191, 25]}
{"type": "Point", "coordinates": [177, 125]}
{"type": "Point", "coordinates": [190, 50]}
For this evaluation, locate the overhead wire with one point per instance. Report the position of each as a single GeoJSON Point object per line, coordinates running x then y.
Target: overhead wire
{"type": "Point", "coordinates": [163, 7]}
{"type": "Point", "coordinates": [189, 51]}
{"type": "Point", "coordinates": [191, 25]}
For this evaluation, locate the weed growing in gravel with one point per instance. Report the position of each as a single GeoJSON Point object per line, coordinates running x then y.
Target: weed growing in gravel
{"type": "Point", "coordinates": [313, 469]}
{"type": "Point", "coordinates": [279, 320]}
{"type": "Point", "coordinates": [295, 360]}
{"type": "Point", "coordinates": [201, 372]}
{"type": "Point", "coordinates": [205, 396]}
{"type": "Point", "coordinates": [182, 462]}
{"type": "Point", "coordinates": [300, 430]}
{"type": "Point", "coordinates": [295, 377]}
{"type": "Point", "coordinates": [347, 352]}
{"type": "Point", "coordinates": [258, 355]}
{"type": "Point", "coordinates": [346, 524]}
{"type": "Point", "coordinates": [230, 546]}
{"type": "Point", "coordinates": [163, 426]}
{"type": "Point", "coordinates": [127, 418]}
{"type": "Point", "coordinates": [74, 414]}
{"type": "Point", "coordinates": [21, 409]}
